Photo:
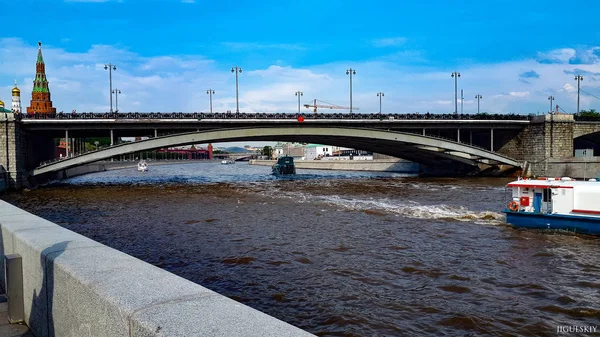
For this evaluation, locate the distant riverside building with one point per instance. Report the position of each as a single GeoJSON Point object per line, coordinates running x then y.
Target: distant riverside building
{"type": "Point", "coordinates": [16, 99]}
{"type": "Point", "coordinates": [317, 151]}
{"type": "Point", "coordinates": [40, 96]}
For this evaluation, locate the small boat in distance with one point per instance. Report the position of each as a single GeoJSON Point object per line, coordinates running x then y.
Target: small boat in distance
{"type": "Point", "coordinates": [227, 162]}
{"type": "Point", "coordinates": [284, 166]}
{"type": "Point", "coordinates": [142, 166]}
{"type": "Point", "coordinates": [555, 204]}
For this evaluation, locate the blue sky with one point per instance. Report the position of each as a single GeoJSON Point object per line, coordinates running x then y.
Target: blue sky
{"type": "Point", "coordinates": [168, 53]}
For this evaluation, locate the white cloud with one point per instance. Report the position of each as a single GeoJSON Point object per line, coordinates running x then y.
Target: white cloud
{"type": "Point", "coordinates": [389, 42]}
{"type": "Point", "coordinates": [179, 83]}
{"type": "Point", "coordinates": [519, 93]}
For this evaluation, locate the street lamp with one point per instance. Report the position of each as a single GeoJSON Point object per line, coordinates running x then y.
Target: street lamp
{"type": "Point", "coordinates": [350, 72]}
{"type": "Point", "coordinates": [210, 92]}
{"type": "Point", "coordinates": [456, 75]}
{"type": "Point", "coordinates": [462, 100]}
{"type": "Point", "coordinates": [478, 96]}
{"type": "Point", "coordinates": [551, 98]}
{"type": "Point", "coordinates": [299, 93]}
{"type": "Point", "coordinates": [117, 92]}
{"type": "Point", "coordinates": [96, 143]}
{"type": "Point", "coordinates": [380, 94]}
{"type": "Point", "coordinates": [110, 67]}
{"type": "Point", "coordinates": [578, 78]}
{"type": "Point", "coordinates": [237, 70]}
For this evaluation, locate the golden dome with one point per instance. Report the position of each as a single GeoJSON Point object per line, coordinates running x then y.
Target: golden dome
{"type": "Point", "coordinates": [16, 91]}
{"type": "Point", "coordinates": [1, 104]}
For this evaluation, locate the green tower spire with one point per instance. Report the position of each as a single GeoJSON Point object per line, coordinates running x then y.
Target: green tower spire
{"type": "Point", "coordinates": [40, 83]}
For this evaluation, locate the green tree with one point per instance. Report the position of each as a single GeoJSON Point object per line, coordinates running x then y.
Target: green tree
{"type": "Point", "coordinates": [589, 113]}
{"type": "Point", "coordinates": [267, 151]}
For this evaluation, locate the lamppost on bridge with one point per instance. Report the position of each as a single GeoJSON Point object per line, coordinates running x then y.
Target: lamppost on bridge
{"type": "Point", "coordinates": [578, 78]}
{"type": "Point", "coordinates": [551, 98]}
{"type": "Point", "coordinates": [299, 94]}
{"type": "Point", "coordinates": [237, 70]}
{"type": "Point", "coordinates": [210, 92]}
{"type": "Point", "coordinates": [462, 100]}
{"type": "Point", "coordinates": [380, 94]}
{"type": "Point", "coordinates": [455, 75]}
{"type": "Point", "coordinates": [117, 92]}
{"type": "Point", "coordinates": [110, 67]}
{"type": "Point", "coordinates": [351, 72]}
{"type": "Point", "coordinates": [96, 143]}
{"type": "Point", "coordinates": [478, 96]}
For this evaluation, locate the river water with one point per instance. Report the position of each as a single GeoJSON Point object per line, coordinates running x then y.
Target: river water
{"type": "Point", "coordinates": [340, 253]}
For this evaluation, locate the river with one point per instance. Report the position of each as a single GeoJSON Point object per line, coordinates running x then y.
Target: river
{"type": "Point", "coordinates": [340, 253]}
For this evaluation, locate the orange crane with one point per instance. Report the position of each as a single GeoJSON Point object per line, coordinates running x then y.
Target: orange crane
{"type": "Point", "coordinates": [328, 105]}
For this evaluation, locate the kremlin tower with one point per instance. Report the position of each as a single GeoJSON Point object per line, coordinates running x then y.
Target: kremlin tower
{"type": "Point", "coordinates": [40, 96]}
{"type": "Point", "coordinates": [16, 99]}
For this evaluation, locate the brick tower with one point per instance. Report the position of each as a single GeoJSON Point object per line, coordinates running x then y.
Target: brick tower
{"type": "Point", "coordinates": [40, 96]}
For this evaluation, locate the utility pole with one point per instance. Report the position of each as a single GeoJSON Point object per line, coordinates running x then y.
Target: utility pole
{"type": "Point", "coordinates": [210, 92]}
{"type": "Point", "coordinates": [299, 93]}
{"type": "Point", "coordinates": [237, 71]}
{"type": "Point", "coordinates": [551, 98]}
{"type": "Point", "coordinates": [478, 98]}
{"type": "Point", "coordinates": [110, 67]}
{"type": "Point", "coordinates": [455, 75]}
{"type": "Point", "coordinates": [578, 78]}
{"type": "Point", "coordinates": [462, 100]}
{"type": "Point", "coordinates": [380, 94]}
{"type": "Point", "coordinates": [351, 72]}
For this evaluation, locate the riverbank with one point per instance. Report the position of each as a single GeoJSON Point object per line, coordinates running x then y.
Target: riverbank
{"type": "Point", "coordinates": [376, 165]}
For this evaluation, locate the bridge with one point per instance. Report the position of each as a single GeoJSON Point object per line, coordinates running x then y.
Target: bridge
{"type": "Point", "coordinates": [457, 143]}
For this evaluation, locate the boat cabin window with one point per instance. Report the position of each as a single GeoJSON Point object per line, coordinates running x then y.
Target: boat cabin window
{"type": "Point", "coordinates": [547, 197]}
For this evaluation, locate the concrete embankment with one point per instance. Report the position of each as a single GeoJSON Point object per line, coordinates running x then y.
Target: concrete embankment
{"type": "Point", "coordinates": [75, 286]}
{"type": "Point", "coordinates": [377, 165]}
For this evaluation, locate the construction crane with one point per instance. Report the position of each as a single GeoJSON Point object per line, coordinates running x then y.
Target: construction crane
{"type": "Point", "coordinates": [328, 105]}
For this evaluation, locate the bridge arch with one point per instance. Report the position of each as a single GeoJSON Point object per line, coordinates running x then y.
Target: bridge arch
{"type": "Point", "coordinates": [426, 150]}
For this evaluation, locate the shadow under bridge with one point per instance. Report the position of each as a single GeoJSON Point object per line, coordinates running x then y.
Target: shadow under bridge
{"type": "Point", "coordinates": [436, 154]}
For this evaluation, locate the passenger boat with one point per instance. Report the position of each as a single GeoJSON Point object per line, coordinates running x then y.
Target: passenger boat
{"type": "Point", "coordinates": [285, 165]}
{"type": "Point", "coordinates": [226, 162]}
{"type": "Point", "coordinates": [556, 204]}
{"type": "Point", "coordinates": [142, 166]}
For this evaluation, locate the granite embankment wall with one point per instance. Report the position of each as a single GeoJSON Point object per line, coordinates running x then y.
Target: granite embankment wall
{"type": "Point", "coordinates": [74, 286]}
{"type": "Point", "coordinates": [378, 165]}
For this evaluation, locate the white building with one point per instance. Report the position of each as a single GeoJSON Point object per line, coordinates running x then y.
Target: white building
{"type": "Point", "coordinates": [317, 151]}
{"type": "Point", "coordinates": [16, 99]}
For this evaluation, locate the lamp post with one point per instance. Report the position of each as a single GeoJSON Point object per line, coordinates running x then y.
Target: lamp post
{"type": "Point", "coordinates": [117, 92]}
{"type": "Point", "coordinates": [455, 75]}
{"type": "Point", "coordinates": [350, 72]}
{"type": "Point", "coordinates": [110, 67]}
{"type": "Point", "coordinates": [96, 143]}
{"type": "Point", "coordinates": [478, 96]}
{"type": "Point", "coordinates": [237, 70]}
{"type": "Point", "coordinates": [551, 98]}
{"type": "Point", "coordinates": [380, 94]}
{"type": "Point", "coordinates": [299, 93]}
{"type": "Point", "coordinates": [210, 92]}
{"type": "Point", "coordinates": [578, 78]}
{"type": "Point", "coordinates": [462, 100]}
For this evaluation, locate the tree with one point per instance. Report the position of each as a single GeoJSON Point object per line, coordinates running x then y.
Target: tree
{"type": "Point", "coordinates": [267, 151]}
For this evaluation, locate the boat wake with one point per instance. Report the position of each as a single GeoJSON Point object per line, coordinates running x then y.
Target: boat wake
{"type": "Point", "coordinates": [417, 211]}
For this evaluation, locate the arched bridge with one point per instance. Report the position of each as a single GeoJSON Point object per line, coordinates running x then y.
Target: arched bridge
{"type": "Point", "coordinates": [426, 150]}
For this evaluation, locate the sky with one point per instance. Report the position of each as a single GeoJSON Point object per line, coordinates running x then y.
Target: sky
{"type": "Point", "coordinates": [168, 53]}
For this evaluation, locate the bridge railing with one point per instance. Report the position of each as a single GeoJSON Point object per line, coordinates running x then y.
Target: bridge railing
{"type": "Point", "coordinates": [261, 115]}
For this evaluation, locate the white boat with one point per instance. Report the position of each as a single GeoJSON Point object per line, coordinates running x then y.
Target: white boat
{"type": "Point", "coordinates": [142, 166]}
{"type": "Point", "coordinates": [227, 162]}
{"type": "Point", "coordinates": [555, 203]}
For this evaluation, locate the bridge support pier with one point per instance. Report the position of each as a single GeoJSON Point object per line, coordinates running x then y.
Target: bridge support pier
{"type": "Point", "coordinates": [492, 139]}
{"type": "Point", "coordinates": [458, 135]}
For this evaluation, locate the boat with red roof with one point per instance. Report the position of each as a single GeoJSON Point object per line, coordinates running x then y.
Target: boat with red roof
{"type": "Point", "coordinates": [555, 204]}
